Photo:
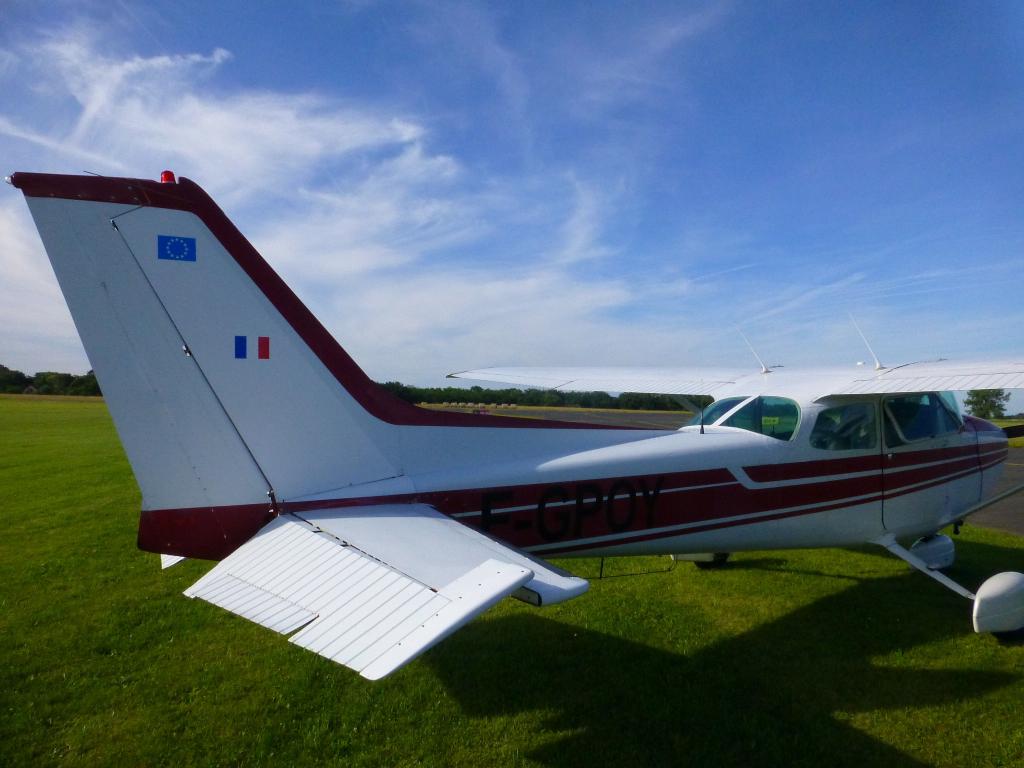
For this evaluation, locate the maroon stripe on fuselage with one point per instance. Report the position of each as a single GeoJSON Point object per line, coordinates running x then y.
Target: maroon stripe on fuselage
{"type": "Point", "coordinates": [912, 458]}
{"type": "Point", "coordinates": [460, 500]}
{"type": "Point", "coordinates": [984, 451]}
{"type": "Point", "coordinates": [994, 460]}
{"type": "Point", "coordinates": [208, 533]}
{"type": "Point", "coordinates": [188, 196]}
{"type": "Point", "coordinates": [549, 514]}
{"type": "Point", "coordinates": [799, 470]}
{"type": "Point", "coordinates": [711, 526]}
{"type": "Point", "coordinates": [905, 477]}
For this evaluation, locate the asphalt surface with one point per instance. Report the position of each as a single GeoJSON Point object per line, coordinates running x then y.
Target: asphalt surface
{"type": "Point", "coordinates": [1006, 515]}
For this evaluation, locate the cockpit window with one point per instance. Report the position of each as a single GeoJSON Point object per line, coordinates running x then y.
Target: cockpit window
{"type": "Point", "coordinates": [772, 416]}
{"type": "Point", "coordinates": [846, 428]}
{"type": "Point", "coordinates": [910, 418]}
{"type": "Point", "coordinates": [716, 410]}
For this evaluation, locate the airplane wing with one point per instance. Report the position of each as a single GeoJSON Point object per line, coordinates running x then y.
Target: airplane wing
{"type": "Point", "coordinates": [374, 587]}
{"type": "Point", "coordinates": [937, 376]}
{"type": "Point", "coordinates": [664, 381]}
{"type": "Point", "coordinates": [940, 375]}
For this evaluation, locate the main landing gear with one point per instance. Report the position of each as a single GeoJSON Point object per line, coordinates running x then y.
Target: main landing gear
{"type": "Point", "coordinates": [999, 601]}
{"type": "Point", "coordinates": [706, 561]}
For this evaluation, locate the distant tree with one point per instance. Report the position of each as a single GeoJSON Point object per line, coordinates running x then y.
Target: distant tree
{"type": "Point", "coordinates": [51, 382]}
{"type": "Point", "coordinates": [13, 382]}
{"type": "Point", "coordinates": [47, 383]}
{"type": "Point", "coordinates": [84, 385]}
{"type": "Point", "coordinates": [531, 397]}
{"type": "Point", "coordinates": [987, 403]}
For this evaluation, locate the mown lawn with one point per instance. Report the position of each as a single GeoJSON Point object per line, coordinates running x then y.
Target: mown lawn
{"type": "Point", "coordinates": [786, 658]}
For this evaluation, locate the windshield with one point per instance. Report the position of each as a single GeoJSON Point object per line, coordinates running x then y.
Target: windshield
{"type": "Point", "coordinates": [715, 411]}
{"type": "Point", "coordinates": [770, 416]}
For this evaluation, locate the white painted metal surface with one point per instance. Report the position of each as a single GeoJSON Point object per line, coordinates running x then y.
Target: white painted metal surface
{"type": "Point", "coordinates": [189, 447]}
{"type": "Point", "coordinates": [181, 445]}
{"type": "Point", "coordinates": [999, 606]}
{"type": "Point", "coordinates": [350, 606]}
{"type": "Point", "coordinates": [939, 376]}
{"type": "Point", "coordinates": [436, 550]}
{"type": "Point", "coordinates": [212, 300]}
{"type": "Point", "coordinates": [914, 377]}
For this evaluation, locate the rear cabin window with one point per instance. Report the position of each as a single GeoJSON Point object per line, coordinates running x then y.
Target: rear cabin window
{"type": "Point", "coordinates": [772, 416]}
{"type": "Point", "coordinates": [910, 418]}
{"type": "Point", "coordinates": [850, 427]}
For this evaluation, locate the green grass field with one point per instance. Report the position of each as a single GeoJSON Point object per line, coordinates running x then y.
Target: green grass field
{"type": "Point", "coordinates": [786, 658]}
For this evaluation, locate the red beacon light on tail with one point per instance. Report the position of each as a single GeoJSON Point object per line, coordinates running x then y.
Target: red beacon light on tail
{"type": "Point", "coordinates": [167, 177]}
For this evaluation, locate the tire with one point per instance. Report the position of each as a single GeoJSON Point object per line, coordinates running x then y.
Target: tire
{"type": "Point", "coordinates": [720, 559]}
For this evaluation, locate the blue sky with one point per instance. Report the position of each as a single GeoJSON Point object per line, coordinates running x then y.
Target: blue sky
{"type": "Point", "coordinates": [454, 185]}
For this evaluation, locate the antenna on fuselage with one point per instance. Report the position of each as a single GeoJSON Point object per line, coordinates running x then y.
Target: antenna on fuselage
{"type": "Point", "coordinates": [764, 368]}
{"type": "Point", "coordinates": [878, 364]}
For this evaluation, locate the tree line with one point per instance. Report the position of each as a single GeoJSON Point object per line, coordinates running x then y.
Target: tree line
{"type": "Point", "coordinates": [14, 382]}
{"type": "Point", "coordinates": [536, 397]}
{"type": "Point", "coordinates": [985, 403]}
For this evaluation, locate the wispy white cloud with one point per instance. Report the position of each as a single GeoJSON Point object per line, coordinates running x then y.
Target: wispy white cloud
{"type": "Point", "coordinates": [159, 111]}
{"type": "Point", "coordinates": [8, 60]}
{"type": "Point", "coordinates": [427, 249]}
{"type": "Point", "coordinates": [58, 146]}
{"type": "Point", "coordinates": [581, 236]}
{"type": "Point", "coordinates": [631, 65]}
{"type": "Point", "coordinates": [36, 322]}
{"type": "Point", "coordinates": [470, 33]}
{"type": "Point", "coordinates": [347, 201]}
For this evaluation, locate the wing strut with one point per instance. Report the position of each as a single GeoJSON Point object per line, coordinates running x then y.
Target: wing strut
{"type": "Point", "coordinates": [889, 542]}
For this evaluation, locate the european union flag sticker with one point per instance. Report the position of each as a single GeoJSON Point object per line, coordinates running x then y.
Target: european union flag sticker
{"type": "Point", "coordinates": [174, 248]}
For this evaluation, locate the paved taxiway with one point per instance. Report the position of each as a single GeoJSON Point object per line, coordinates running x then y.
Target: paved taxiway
{"type": "Point", "coordinates": [1006, 515]}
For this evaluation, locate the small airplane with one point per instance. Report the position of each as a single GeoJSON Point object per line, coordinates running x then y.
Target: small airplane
{"type": "Point", "coordinates": [367, 529]}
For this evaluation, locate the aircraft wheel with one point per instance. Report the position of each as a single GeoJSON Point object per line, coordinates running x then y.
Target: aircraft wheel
{"type": "Point", "coordinates": [718, 561]}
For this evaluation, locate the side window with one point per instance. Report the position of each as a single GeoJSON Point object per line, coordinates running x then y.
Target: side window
{"type": "Point", "coordinates": [849, 427]}
{"type": "Point", "coordinates": [917, 417]}
{"type": "Point", "coordinates": [772, 416]}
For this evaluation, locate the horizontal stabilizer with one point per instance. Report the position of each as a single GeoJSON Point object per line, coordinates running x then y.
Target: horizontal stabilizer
{"type": "Point", "coordinates": [435, 549]}
{"type": "Point", "coordinates": [348, 605]}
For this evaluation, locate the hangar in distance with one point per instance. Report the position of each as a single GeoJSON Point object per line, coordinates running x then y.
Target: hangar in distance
{"type": "Point", "coordinates": [367, 529]}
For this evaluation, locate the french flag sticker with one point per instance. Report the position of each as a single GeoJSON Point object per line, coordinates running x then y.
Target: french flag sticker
{"type": "Point", "coordinates": [242, 347]}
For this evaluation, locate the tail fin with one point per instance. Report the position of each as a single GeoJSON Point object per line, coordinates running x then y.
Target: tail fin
{"type": "Point", "coordinates": [201, 350]}
{"type": "Point", "coordinates": [226, 391]}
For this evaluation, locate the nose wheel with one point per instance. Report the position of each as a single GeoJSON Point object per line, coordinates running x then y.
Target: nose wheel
{"type": "Point", "coordinates": [998, 604]}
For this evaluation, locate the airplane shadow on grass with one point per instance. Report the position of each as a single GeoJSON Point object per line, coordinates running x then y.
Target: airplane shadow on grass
{"type": "Point", "coordinates": [766, 697]}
